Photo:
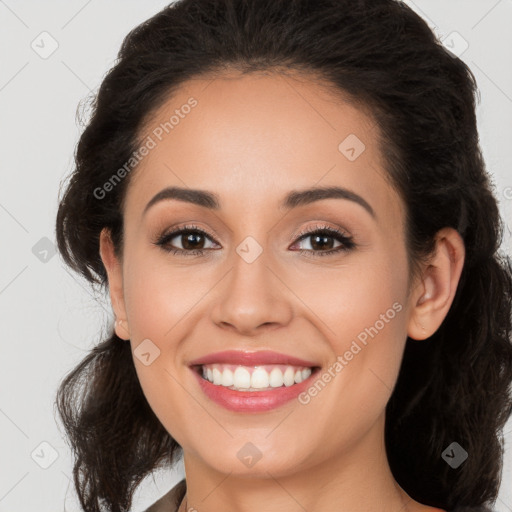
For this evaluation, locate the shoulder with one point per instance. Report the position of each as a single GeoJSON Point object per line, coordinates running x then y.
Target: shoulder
{"type": "Point", "coordinates": [170, 501]}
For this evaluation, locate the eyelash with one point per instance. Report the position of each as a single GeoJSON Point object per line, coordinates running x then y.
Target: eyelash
{"type": "Point", "coordinates": [346, 241]}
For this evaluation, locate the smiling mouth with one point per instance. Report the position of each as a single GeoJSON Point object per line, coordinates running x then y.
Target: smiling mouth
{"type": "Point", "coordinates": [254, 378]}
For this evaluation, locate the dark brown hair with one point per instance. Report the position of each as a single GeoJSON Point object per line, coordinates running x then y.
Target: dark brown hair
{"type": "Point", "coordinates": [454, 386]}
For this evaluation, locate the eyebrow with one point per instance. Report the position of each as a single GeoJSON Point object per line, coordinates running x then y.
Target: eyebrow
{"type": "Point", "coordinates": [294, 198]}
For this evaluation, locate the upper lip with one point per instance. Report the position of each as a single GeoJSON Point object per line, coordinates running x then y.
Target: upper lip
{"type": "Point", "coordinates": [245, 358]}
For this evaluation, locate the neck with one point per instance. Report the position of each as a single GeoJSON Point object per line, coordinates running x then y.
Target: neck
{"type": "Point", "coordinates": [357, 479]}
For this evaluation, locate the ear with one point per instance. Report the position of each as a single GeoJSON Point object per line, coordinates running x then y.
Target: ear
{"type": "Point", "coordinates": [115, 283]}
{"type": "Point", "coordinates": [433, 295]}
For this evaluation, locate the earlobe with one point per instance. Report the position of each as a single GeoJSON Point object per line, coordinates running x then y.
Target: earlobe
{"type": "Point", "coordinates": [113, 268]}
{"type": "Point", "coordinates": [436, 290]}
{"type": "Point", "coordinates": [121, 331]}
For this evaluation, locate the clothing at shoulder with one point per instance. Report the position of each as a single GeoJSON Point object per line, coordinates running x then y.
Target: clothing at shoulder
{"type": "Point", "coordinates": [479, 508]}
{"type": "Point", "coordinates": [170, 501]}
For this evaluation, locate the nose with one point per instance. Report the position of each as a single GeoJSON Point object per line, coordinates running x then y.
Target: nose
{"type": "Point", "coordinates": [252, 298]}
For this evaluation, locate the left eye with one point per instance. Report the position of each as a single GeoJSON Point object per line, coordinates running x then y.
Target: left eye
{"type": "Point", "coordinates": [319, 240]}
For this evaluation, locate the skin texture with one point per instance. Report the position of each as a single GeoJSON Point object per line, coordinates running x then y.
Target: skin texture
{"type": "Point", "coordinates": [252, 139]}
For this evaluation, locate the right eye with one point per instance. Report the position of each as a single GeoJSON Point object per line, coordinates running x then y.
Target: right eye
{"type": "Point", "coordinates": [189, 237]}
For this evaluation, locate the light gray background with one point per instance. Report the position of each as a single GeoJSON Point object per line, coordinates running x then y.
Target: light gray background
{"type": "Point", "coordinates": [49, 317]}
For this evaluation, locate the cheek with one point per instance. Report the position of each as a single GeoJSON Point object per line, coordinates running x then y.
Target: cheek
{"type": "Point", "coordinates": [353, 301]}
{"type": "Point", "coordinates": [371, 333]}
{"type": "Point", "coordinates": [159, 294]}
{"type": "Point", "coordinates": [163, 301]}
{"type": "Point", "coordinates": [156, 307]}
{"type": "Point", "coordinates": [362, 309]}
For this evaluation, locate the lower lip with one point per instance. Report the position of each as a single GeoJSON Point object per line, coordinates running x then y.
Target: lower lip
{"type": "Point", "coordinates": [252, 401]}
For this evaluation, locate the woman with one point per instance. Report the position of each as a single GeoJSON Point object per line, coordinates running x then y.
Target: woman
{"type": "Point", "coordinates": [288, 204]}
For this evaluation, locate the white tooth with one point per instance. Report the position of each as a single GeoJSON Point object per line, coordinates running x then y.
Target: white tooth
{"type": "Point", "coordinates": [217, 376]}
{"type": "Point", "coordinates": [289, 376]}
{"type": "Point", "coordinates": [259, 378]}
{"type": "Point", "coordinates": [227, 377]}
{"type": "Point", "coordinates": [306, 373]}
{"type": "Point", "coordinates": [276, 378]}
{"type": "Point", "coordinates": [241, 378]}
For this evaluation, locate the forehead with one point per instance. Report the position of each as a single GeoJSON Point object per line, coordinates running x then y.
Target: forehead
{"type": "Point", "coordinates": [256, 136]}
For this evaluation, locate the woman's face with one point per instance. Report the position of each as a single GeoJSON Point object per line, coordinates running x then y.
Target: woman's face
{"type": "Point", "coordinates": [252, 141]}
